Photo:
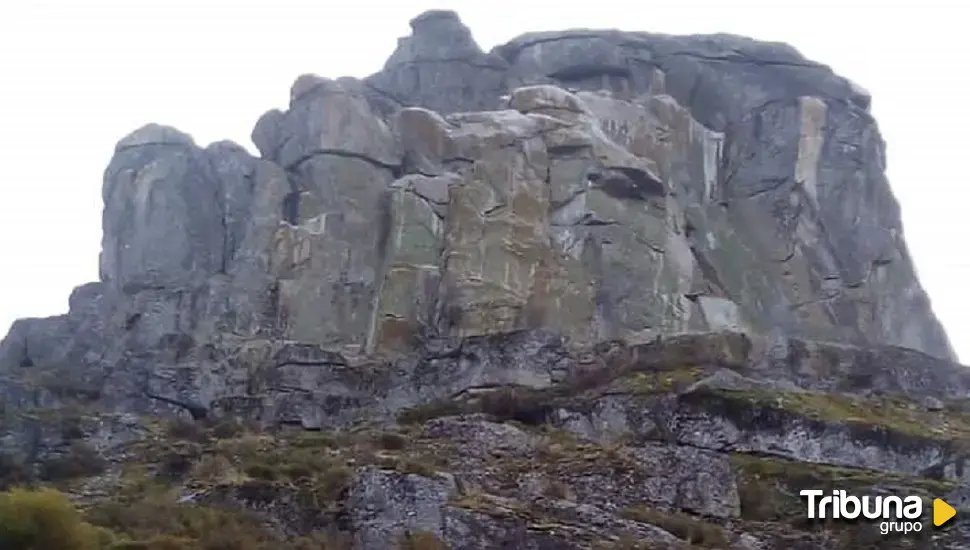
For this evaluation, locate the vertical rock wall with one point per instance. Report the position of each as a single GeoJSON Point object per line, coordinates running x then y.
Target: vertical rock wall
{"type": "Point", "coordinates": [597, 185]}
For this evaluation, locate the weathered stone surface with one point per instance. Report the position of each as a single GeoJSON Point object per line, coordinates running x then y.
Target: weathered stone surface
{"type": "Point", "coordinates": [618, 211]}
{"type": "Point", "coordinates": [385, 505]}
{"type": "Point", "coordinates": [441, 67]}
{"type": "Point", "coordinates": [592, 289]}
{"type": "Point", "coordinates": [157, 186]}
{"type": "Point", "coordinates": [749, 134]}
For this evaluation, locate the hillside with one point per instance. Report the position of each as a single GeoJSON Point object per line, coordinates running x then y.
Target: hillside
{"type": "Point", "coordinates": [591, 289]}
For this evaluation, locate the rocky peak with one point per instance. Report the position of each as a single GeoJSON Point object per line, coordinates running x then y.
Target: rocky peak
{"type": "Point", "coordinates": [437, 35]}
{"type": "Point", "coordinates": [609, 286]}
{"type": "Point", "coordinates": [154, 134]}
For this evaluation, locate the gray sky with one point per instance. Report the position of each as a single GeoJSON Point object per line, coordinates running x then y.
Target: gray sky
{"type": "Point", "coordinates": [77, 76]}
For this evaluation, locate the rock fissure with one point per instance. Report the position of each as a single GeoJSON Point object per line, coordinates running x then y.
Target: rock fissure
{"type": "Point", "coordinates": [393, 168]}
{"type": "Point", "coordinates": [468, 61]}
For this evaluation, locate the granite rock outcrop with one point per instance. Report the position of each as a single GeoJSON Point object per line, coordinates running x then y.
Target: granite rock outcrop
{"type": "Point", "coordinates": [586, 290]}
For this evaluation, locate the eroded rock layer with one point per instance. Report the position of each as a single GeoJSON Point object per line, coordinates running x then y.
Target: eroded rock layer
{"type": "Point", "coordinates": [624, 288]}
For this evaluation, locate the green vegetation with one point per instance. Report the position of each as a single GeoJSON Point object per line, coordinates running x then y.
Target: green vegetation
{"type": "Point", "coordinates": [895, 413]}
{"type": "Point", "coordinates": [46, 520]}
{"type": "Point", "coordinates": [80, 460]}
{"type": "Point", "coordinates": [525, 405]}
{"type": "Point", "coordinates": [768, 489]}
{"type": "Point", "coordinates": [769, 486]}
{"type": "Point", "coordinates": [660, 381]}
{"type": "Point", "coordinates": [428, 411]}
{"type": "Point", "coordinates": [532, 406]}
{"type": "Point", "coordinates": [208, 485]}
{"type": "Point", "coordinates": [158, 520]}
{"type": "Point", "coordinates": [691, 529]}
{"type": "Point", "coordinates": [236, 469]}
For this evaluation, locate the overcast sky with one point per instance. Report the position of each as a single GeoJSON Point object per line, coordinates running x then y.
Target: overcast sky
{"type": "Point", "coordinates": [77, 76]}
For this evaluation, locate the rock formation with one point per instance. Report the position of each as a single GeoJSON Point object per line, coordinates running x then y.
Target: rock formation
{"type": "Point", "coordinates": [615, 288]}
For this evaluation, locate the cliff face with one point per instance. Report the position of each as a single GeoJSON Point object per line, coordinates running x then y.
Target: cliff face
{"type": "Point", "coordinates": [660, 274]}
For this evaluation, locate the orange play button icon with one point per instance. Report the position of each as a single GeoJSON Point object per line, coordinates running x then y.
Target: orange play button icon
{"type": "Point", "coordinates": [942, 512]}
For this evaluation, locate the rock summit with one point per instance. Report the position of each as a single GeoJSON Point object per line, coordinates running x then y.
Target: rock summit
{"type": "Point", "coordinates": [589, 289]}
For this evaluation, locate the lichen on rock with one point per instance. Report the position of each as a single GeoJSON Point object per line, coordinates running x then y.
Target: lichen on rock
{"type": "Point", "coordinates": [590, 289]}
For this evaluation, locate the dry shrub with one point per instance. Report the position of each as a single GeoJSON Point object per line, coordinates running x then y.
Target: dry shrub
{"type": "Point", "coordinates": [46, 520]}
{"type": "Point", "coordinates": [421, 540]}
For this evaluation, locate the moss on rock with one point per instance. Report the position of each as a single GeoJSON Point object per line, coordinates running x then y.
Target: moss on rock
{"type": "Point", "coordinates": [693, 530]}
{"type": "Point", "coordinates": [890, 411]}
